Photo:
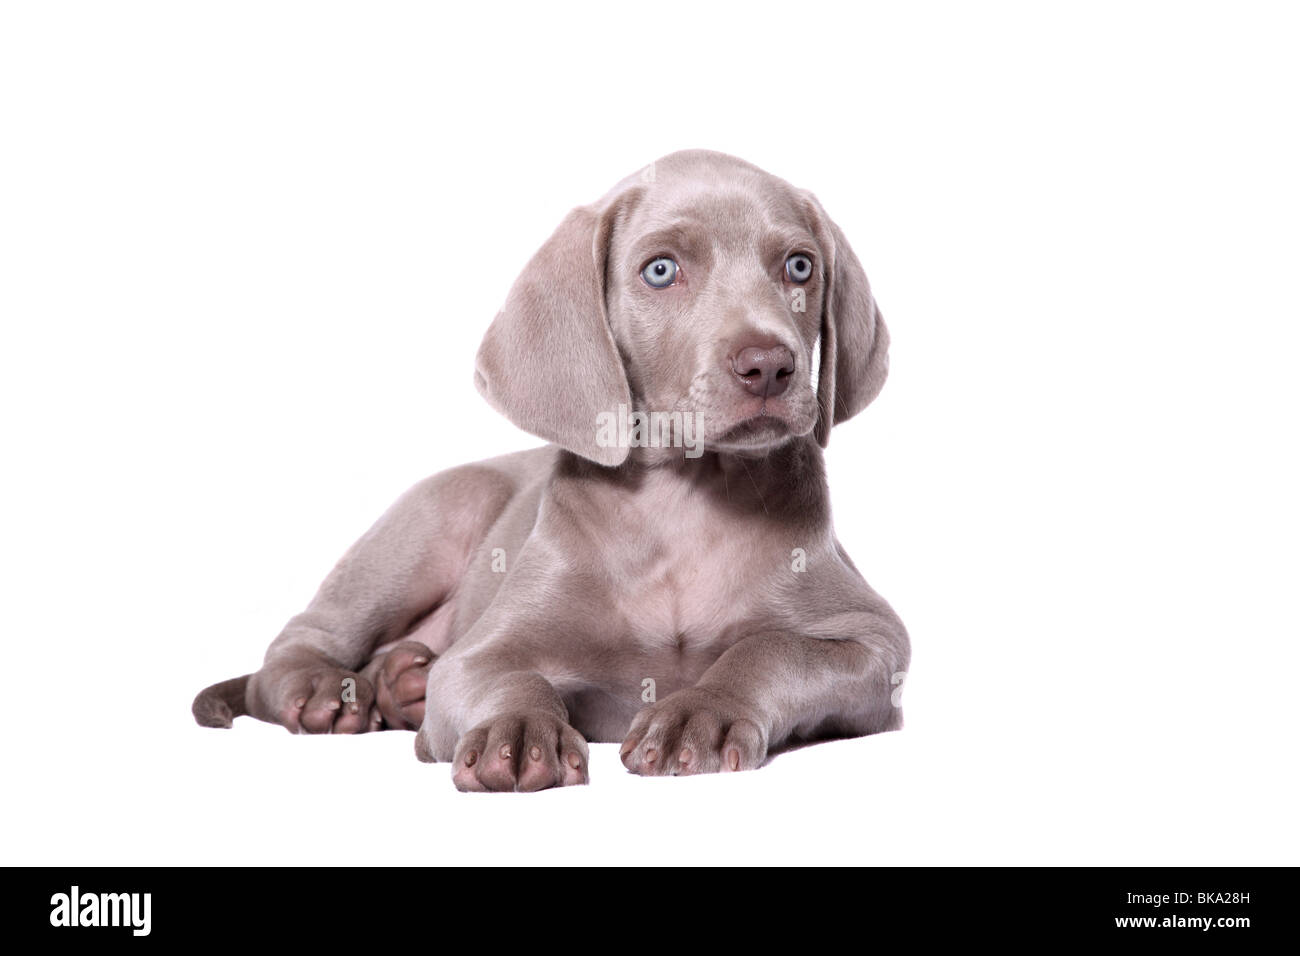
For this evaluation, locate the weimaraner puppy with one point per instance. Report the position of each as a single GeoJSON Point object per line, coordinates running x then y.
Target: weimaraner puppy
{"type": "Point", "coordinates": [665, 573]}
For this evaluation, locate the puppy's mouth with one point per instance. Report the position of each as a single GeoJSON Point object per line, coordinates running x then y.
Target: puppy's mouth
{"type": "Point", "coordinates": [761, 429]}
{"type": "Point", "coordinates": [764, 427]}
{"type": "Point", "coordinates": [725, 421]}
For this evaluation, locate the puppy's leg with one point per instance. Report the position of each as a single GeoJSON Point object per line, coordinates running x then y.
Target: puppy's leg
{"type": "Point", "coordinates": [398, 573]}
{"type": "Point", "coordinates": [310, 693]}
{"type": "Point", "coordinates": [501, 729]}
{"type": "Point", "coordinates": [772, 688]}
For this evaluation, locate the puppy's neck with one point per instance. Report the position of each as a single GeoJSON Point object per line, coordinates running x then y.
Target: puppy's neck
{"type": "Point", "coordinates": [786, 479]}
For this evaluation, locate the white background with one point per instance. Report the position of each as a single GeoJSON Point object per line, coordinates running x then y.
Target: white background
{"type": "Point", "coordinates": [247, 251]}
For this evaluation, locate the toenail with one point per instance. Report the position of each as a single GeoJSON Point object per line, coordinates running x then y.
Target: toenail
{"type": "Point", "coordinates": [574, 760]}
{"type": "Point", "coordinates": [651, 755]}
{"type": "Point", "coordinates": [471, 758]}
{"type": "Point", "coordinates": [421, 660]}
{"type": "Point", "coordinates": [627, 748]}
{"type": "Point", "coordinates": [685, 756]}
{"type": "Point", "coordinates": [733, 759]}
{"type": "Point", "coordinates": [332, 705]}
{"type": "Point", "coordinates": [535, 753]}
{"type": "Point", "coordinates": [300, 703]}
{"type": "Point", "coordinates": [505, 751]}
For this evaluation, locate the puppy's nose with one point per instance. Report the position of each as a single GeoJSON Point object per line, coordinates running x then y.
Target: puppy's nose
{"type": "Point", "coordinates": [764, 371]}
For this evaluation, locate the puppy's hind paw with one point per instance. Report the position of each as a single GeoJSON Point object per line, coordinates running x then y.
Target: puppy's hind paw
{"type": "Point", "coordinates": [327, 701]}
{"type": "Point", "coordinates": [401, 684]}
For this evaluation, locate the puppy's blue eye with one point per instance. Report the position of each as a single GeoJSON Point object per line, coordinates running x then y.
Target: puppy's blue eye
{"type": "Point", "coordinates": [798, 267]}
{"type": "Point", "coordinates": [660, 273]}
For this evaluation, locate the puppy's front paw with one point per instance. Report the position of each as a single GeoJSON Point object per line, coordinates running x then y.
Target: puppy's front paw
{"type": "Point", "coordinates": [695, 730]}
{"type": "Point", "coordinates": [524, 752]}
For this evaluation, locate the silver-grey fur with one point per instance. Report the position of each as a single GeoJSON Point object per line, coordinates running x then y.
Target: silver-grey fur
{"type": "Point", "coordinates": [513, 609]}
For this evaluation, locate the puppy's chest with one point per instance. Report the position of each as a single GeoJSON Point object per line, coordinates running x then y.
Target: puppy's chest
{"type": "Point", "coordinates": [685, 577]}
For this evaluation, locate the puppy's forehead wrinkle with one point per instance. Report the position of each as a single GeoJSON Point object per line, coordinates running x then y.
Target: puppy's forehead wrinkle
{"type": "Point", "coordinates": [723, 217]}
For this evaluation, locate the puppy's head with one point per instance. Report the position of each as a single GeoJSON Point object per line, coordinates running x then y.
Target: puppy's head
{"type": "Point", "coordinates": [702, 286]}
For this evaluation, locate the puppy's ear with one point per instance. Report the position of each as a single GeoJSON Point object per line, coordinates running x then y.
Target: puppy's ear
{"type": "Point", "coordinates": [854, 340]}
{"type": "Point", "coordinates": [548, 361]}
